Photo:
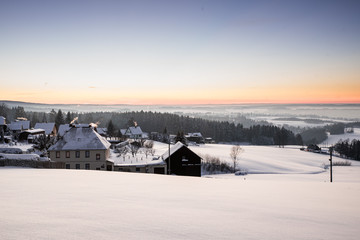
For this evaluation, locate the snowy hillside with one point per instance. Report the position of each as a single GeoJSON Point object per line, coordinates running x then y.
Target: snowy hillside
{"type": "Point", "coordinates": [267, 159]}
{"type": "Point", "coordinates": [333, 139]}
{"type": "Point", "coordinates": [79, 204]}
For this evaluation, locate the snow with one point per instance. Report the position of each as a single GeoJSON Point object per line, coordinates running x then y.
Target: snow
{"type": "Point", "coordinates": [63, 128]}
{"type": "Point", "coordinates": [2, 120]}
{"type": "Point", "coordinates": [294, 200]}
{"type": "Point", "coordinates": [139, 159]}
{"type": "Point", "coordinates": [48, 127]}
{"type": "Point", "coordinates": [80, 138]}
{"type": "Point", "coordinates": [27, 157]}
{"type": "Point", "coordinates": [23, 146]}
{"type": "Point", "coordinates": [19, 125]}
{"type": "Point", "coordinates": [173, 149]}
{"type": "Point", "coordinates": [270, 159]}
{"type": "Point", "coordinates": [333, 139]}
{"type": "Point", "coordinates": [80, 204]}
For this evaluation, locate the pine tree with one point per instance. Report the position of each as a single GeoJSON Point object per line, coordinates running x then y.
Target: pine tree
{"type": "Point", "coordinates": [111, 129]}
{"type": "Point", "coordinates": [59, 119]}
{"type": "Point", "coordinates": [68, 117]}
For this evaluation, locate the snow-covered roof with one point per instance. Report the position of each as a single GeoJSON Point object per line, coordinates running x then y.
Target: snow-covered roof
{"type": "Point", "coordinates": [19, 125]}
{"type": "Point", "coordinates": [101, 130]}
{"type": "Point", "coordinates": [28, 157]}
{"type": "Point", "coordinates": [197, 134]}
{"type": "Point", "coordinates": [135, 130]}
{"type": "Point", "coordinates": [63, 128]}
{"type": "Point", "coordinates": [2, 120]}
{"type": "Point", "coordinates": [123, 131]}
{"type": "Point", "coordinates": [35, 131]}
{"type": "Point", "coordinates": [81, 138]}
{"type": "Point", "coordinates": [173, 149]}
{"type": "Point", "coordinates": [48, 127]}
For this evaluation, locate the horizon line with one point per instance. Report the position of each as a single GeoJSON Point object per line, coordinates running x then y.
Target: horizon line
{"type": "Point", "coordinates": [192, 104]}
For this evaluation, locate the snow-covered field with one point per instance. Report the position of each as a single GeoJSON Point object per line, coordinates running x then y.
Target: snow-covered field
{"type": "Point", "coordinates": [333, 139]}
{"type": "Point", "coordinates": [295, 200]}
{"type": "Point", "coordinates": [80, 204]}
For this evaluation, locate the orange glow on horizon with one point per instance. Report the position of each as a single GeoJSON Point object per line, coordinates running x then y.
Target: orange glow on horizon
{"type": "Point", "coordinates": [183, 96]}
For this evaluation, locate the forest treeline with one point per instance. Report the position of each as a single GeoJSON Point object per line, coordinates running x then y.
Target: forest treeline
{"type": "Point", "coordinates": [220, 131]}
{"type": "Point", "coordinates": [348, 149]}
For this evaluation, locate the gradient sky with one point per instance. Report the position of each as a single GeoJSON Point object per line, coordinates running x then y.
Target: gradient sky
{"type": "Point", "coordinates": [180, 52]}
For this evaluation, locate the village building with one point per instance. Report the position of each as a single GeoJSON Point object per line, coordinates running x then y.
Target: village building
{"type": "Point", "coordinates": [81, 147]}
{"type": "Point", "coordinates": [50, 128]}
{"type": "Point", "coordinates": [133, 133]}
{"type": "Point", "coordinates": [182, 161]}
{"type": "Point", "coordinates": [195, 137]}
{"type": "Point", "coordinates": [18, 126]}
{"type": "Point", "coordinates": [2, 128]}
{"type": "Point", "coordinates": [30, 135]}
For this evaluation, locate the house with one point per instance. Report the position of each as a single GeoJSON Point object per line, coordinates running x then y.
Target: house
{"type": "Point", "coordinates": [18, 126]}
{"type": "Point", "coordinates": [182, 161]}
{"type": "Point", "coordinates": [133, 132]}
{"type": "Point", "coordinates": [81, 147]}
{"type": "Point", "coordinates": [2, 128]}
{"type": "Point", "coordinates": [195, 137]}
{"type": "Point", "coordinates": [50, 128]}
{"type": "Point", "coordinates": [30, 135]}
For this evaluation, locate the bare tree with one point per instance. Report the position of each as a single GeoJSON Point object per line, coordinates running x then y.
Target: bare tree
{"type": "Point", "coordinates": [122, 151]}
{"type": "Point", "coordinates": [235, 151]}
{"type": "Point", "coordinates": [134, 148]}
{"type": "Point", "coordinates": [148, 144]}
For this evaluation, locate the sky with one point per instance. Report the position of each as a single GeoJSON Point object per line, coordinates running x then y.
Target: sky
{"type": "Point", "coordinates": [180, 52]}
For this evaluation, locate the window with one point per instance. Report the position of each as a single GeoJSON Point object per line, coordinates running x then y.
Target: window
{"type": "Point", "coordinates": [87, 166]}
{"type": "Point", "coordinates": [138, 169]}
{"type": "Point", "coordinates": [97, 168]}
{"type": "Point", "coordinates": [67, 166]}
{"type": "Point", "coordinates": [87, 154]}
{"type": "Point", "coordinates": [98, 156]}
{"type": "Point", "coordinates": [77, 154]}
{"type": "Point", "coordinates": [77, 166]}
{"type": "Point", "coordinates": [57, 154]}
{"type": "Point", "coordinates": [67, 154]}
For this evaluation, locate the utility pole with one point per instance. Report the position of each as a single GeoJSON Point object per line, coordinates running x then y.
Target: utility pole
{"type": "Point", "coordinates": [169, 156]}
{"type": "Point", "coordinates": [331, 151]}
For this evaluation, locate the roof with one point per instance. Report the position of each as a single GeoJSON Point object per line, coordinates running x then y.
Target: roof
{"type": "Point", "coordinates": [123, 131]}
{"type": "Point", "coordinates": [35, 131]}
{"type": "Point", "coordinates": [2, 120]}
{"type": "Point", "coordinates": [101, 131]}
{"type": "Point", "coordinates": [173, 149]}
{"type": "Point", "coordinates": [196, 134]}
{"type": "Point", "coordinates": [63, 128]}
{"type": "Point", "coordinates": [48, 127]}
{"type": "Point", "coordinates": [81, 138]}
{"type": "Point", "coordinates": [135, 130]}
{"type": "Point", "coordinates": [19, 125]}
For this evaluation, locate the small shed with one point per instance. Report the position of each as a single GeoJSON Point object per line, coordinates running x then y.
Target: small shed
{"type": "Point", "coordinates": [182, 161]}
{"type": "Point", "coordinates": [29, 135]}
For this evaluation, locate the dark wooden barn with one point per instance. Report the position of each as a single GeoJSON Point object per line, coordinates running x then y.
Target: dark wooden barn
{"type": "Point", "coordinates": [183, 161]}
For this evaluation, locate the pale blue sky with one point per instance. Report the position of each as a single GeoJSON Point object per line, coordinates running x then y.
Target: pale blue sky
{"type": "Point", "coordinates": [228, 50]}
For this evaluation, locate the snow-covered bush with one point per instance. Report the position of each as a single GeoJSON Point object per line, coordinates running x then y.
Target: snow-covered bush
{"type": "Point", "coordinates": [213, 165]}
